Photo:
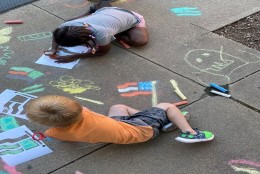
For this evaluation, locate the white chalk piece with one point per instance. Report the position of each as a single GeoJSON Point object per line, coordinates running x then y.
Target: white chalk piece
{"type": "Point", "coordinates": [220, 93]}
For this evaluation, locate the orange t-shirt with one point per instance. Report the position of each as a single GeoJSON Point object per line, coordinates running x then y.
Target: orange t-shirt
{"type": "Point", "coordinates": [97, 128]}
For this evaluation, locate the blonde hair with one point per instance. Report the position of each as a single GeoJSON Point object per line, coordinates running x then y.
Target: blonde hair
{"type": "Point", "coordinates": [53, 110]}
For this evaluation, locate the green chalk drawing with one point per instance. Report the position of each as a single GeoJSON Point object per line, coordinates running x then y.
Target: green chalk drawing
{"type": "Point", "coordinates": [28, 144]}
{"type": "Point", "coordinates": [35, 36]}
{"type": "Point", "coordinates": [35, 74]}
{"type": "Point", "coordinates": [19, 72]}
{"type": "Point", "coordinates": [3, 172]}
{"type": "Point", "coordinates": [10, 146]}
{"type": "Point", "coordinates": [7, 123]}
{"type": "Point", "coordinates": [3, 62]}
{"type": "Point", "coordinates": [8, 127]}
{"type": "Point", "coordinates": [24, 69]}
{"type": "Point", "coordinates": [11, 152]}
{"type": "Point", "coordinates": [5, 54]}
{"type": "Point", "coordinates": [33, 89]}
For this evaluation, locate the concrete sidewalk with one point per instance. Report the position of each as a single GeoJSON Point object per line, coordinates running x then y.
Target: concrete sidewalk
{"type": "Point", "coordinates": [182, 47]}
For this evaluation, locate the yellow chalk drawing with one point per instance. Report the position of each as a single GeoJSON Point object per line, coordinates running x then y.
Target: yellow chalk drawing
{"type": "Point", "coordinates": [154, 94]}
{"type": "Point", "coordinates": [73, 86]}
{"type": "Point", "coordinates": [245, 166]}
{"type": "Point", "coordinates": [4, 32]}
{"type": "Point", "coordinates": [246, 170]}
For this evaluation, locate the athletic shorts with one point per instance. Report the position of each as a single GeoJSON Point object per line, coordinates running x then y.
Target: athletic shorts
{"type": "Point", "coordinates": [141, 18]}
{"type": "Point", "coordinates": [154, 117]}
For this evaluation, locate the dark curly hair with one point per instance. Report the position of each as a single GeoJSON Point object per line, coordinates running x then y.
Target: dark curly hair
{"type": "Point", "coordinates": [74, 35]}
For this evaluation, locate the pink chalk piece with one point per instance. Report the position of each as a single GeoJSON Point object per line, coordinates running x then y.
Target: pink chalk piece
{"type": "Point", "coordinates": [14, 22]}
{"type": "Point", "coordinates": [242, 161]}
{"type": "Point", "coordinates": [124, 44]}
{"type": "Point", "coordinates": [11, 169]}
{"type": "Point", "coordinates": [78, 172]}
{"type": "Point", "coordinates": [181, 103]}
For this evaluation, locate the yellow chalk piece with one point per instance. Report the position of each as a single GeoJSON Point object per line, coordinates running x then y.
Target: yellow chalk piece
{"type": "Point", "coordinates": [174, 84]}
{"type": "Point", "coordinates": [154, 94]}
{"type": "Point", "coordinates": [180, 94]}
{"type": "Point", "coordinates": [177, 90]}
{"type": "Point", "coordinates": [89, 100]}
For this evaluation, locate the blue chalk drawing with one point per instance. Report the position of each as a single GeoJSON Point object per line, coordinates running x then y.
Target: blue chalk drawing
{"type": "Point", "coordinates": [186, 11]}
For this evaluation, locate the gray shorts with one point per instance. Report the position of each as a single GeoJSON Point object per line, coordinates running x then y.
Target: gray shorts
{"type": "Point", "coordinates": [154, 117]}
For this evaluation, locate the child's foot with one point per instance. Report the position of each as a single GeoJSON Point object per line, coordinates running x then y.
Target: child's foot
{"type": "Point", "coordinates": [171, 127]}
{"type": "Point", "coordinates": [201, 136]}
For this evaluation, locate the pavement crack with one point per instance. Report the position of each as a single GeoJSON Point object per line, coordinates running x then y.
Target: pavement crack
{"type": "Point", "coordinates": [78, 159]}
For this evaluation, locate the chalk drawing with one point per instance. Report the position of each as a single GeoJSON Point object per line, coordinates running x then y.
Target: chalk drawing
{"type": "Point", "coordinates": [8, 169]}
{"type": "Point", "coordinates": [33, 89]}
{"type": "Point", "coordinates": [7, 122]}
{"type": "Point", "coordinates": [218, 63]}
{"type": "Point", "coordinates": [35, 36]}
{"type": "Point", "coordinates": [4, 34]}
{"type": "Point", "coordinates": [17, 146]}
{"type": "Point", "coordinates": [90, 100]}
{"type": "Point", "coordinates": [242, 165]}
{"type": "Point", "coordinates": [186, 11]}
{"type": "Point", "coordinates": [5, 54]}
{"type": "Point", "coordinates": [24, 73]}
{"type": "Point", "coordinates": [73, 86]}
{"type": "Point", "coordinates": [132, 89]}
{"type": "Point", "coordinates": [85, 3]}
{"type": "Point", "coordinates": [13, 103]}
{"type": "Point", "coordinates": [154, 94]}
{"type": "Point", "coordinates": [243, 161]}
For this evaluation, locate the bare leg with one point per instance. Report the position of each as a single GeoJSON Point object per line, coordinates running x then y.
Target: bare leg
{"type": "Point", "coordinates": [175, 116]}
{"type": "Point", "coordinates": [121, 110]}
{"type": "Point", "coordinates": [137, 36]}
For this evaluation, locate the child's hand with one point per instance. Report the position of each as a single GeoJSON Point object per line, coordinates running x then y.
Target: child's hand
{"type": "Point", "coordinates": [65, 59]}
{"type": "Point", "coordinates": [50, 52]}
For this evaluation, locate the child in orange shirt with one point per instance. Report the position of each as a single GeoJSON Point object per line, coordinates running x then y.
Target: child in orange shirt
{"type": "Point", "coordinates": [69, 121]}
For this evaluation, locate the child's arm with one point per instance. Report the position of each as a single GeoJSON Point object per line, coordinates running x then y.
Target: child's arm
{"type": "Point", "coordinates": [100, 52]}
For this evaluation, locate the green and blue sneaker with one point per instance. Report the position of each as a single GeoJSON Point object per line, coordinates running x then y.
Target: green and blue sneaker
{"type": "Point", "coordinates": [201, 136]}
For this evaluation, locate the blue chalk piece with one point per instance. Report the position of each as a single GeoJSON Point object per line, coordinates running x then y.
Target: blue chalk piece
{"type": "Point", "coordinates": [218, 87]}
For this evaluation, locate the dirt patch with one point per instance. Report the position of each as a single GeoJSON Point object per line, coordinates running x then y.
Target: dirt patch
{"type": "Point", "coordinates": [246, 31]}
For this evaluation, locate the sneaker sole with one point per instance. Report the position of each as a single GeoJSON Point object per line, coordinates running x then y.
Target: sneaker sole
{"type": "Point", "coordinates": [169, 127]}
{"type": "Point", "coordinates": [184, 140]}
